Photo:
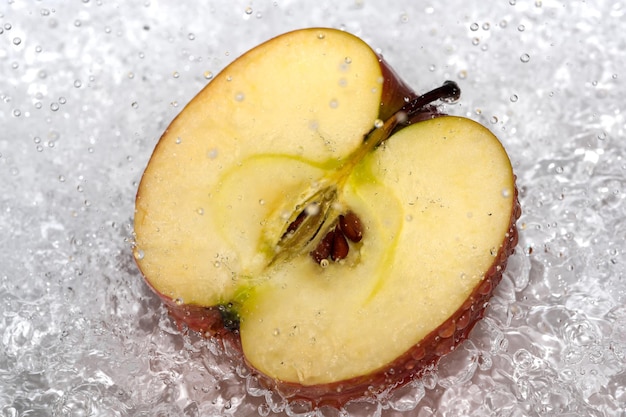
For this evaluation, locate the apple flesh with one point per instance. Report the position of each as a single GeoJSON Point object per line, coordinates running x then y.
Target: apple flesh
{"type": "Point", "coordinates": [307, 139]}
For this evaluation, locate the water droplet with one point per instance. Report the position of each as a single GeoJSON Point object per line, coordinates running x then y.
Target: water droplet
{"type": "Point", "coordinates": [602, 136]}
{"type": "Point", "coordinates": [208, 75]}
{"type": "Point", "coordinates": [432, 68]}
{"type": "Point", "coordinates": [378, 123]}
{"type": "Point", "coordinates": [475, 41]}
{"type": "Point", "coordinates": [474, 27]}
{"type": "Point", "coordinates": [524, 58]}
{"type": "Point", "coordinates": [404, 18]}
{"type": "Point", "coordinates": [506, 193]}
{"type": "Point", "coordinates": [521, 28]}
{"type": "Point", "coordinates": [462, 74]}
{"type": "Point", "coordinates": [614, 76]}
{"type": "Point", "coordinates": [486, 26]}
{"type": "Point", "coordinates": [262, 202]}
{"type": "Point", "coordinates": [17, 41]}
{"type": "Point", "coordinates": [276, 332]}
{"type": "Point", "coordinates": [139, 254]}
{"type": "Point", "coordinates": [493, 120]}
{"type": "Point", "coordinates": [333, 104]}
{"type": "Point", "coordinates": [240, 97]}
{"type": "Point", "coordinates": [179, 301]}
{"type": "Point", "coordinates": [179, 140]}
{"type": "Point", "coordinates": [217, 264]}
{"type": "Point", "coordinates": [324, 263]}
{"type": "Point", "coordinates": [54, 106]}
{"type": "Point", "coordinates": [175, 74]}
{"type": "Point", "coordinates": [212, 154]}
{"type": "Point", "coordinates": [77, 23]}
{"type": "Point", "coordinates": [538, 3]}
{"type": "Point", "coordinates": [17, 112]}
{"type": "Point", "coordinates": [191, 36]}
{"type": "Point", "coordinates": [348, 60]}
{"type": "Point", "coordinates": [62, 100]}
{"type": "Point", "coordinates": [512, 2]}
{"type": "Point", "coordinates": [320, 36]}
{"type": "Point", "coordinates": [408, 218]}
{"type": "Point", "coordinates": [134, 105]}
{"type": "Point", "coordinates": [248, 10]}
{"type": "Point", "coordinates": [61, 178]}
{"type": "Point", "coordinates": [503, 24]}
{"type": "Point", "coordinates": [7, 26]}
{"type": "Point", "coordinates": [513, 98]}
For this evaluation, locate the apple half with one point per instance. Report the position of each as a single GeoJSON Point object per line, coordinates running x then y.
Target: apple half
{"type": "Point", "coordinates": [310, 207]}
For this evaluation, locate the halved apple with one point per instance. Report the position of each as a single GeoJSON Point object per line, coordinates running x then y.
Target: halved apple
{"type": "Point", "coordinates": [312, 208]}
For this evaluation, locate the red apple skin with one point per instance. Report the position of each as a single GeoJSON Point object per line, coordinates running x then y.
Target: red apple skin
{"type": "Point", "coordinates": [412, 364]}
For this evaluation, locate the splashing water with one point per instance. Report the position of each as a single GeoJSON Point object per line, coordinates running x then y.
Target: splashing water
{"type": "Point", "coordinates": [80, 332]}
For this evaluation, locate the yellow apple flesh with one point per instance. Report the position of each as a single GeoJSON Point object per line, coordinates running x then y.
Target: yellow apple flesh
{"type": "Point", "coordinates": [291, 123]}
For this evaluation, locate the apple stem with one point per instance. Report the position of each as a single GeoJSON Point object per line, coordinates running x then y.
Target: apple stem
{"type": "Point", "coordinates": [448, 92]}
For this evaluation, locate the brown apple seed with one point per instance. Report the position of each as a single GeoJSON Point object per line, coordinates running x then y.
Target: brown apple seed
{"type": "Point", "coordinates": [293, 226]}
{"type": "Point", "coordinates": [323, 249]}
{"type": "Point", "coordinates": [351, 226]}
{"type": "Point", "coordinates": [340, 246]}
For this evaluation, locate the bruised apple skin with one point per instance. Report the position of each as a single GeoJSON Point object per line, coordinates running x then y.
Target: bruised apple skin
{"type": "Point", "coordinates": [311, 210]}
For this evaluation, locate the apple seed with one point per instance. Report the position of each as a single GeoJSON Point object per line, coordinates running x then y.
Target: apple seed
{"type": "Point", "coordinates": [323, 249]}
{"type": "Point", "coordinates": [351, 226]}
{"type": "Point", "coordinates": [340, 247]}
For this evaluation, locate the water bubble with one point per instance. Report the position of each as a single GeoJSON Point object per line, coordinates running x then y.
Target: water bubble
{"type": "Point", "coordinates": [17, 41]}
{"type": "Point", "coordinates": [54, 106]}
{"type": "Point", "coordinates": [602, 136]}
{"type": "Point", "coordinates": [486, 26]}
{"type": "Point", "coordinates": [276, 332]}
{"type": "Point", "coordinates": [262, 202]}
{"type": "Point", "coordinates": [493, 120]}
{"type": "Point", "coordinates": [175, 74]}
{"type": "Point", "coordinates": [17, 112]}
{"type": "Point", "coordinates": [513, 98]}
{"type": "Point", "coordinates": [521, 28]}
{"type": "Point", "coordinates": [378, 123]}
{"type": "Point", "coordinates": [320, 36]}
{"type": "Point", "coordinates": [462, 74]}
{"type": "Point", "coordinates": [77, 23]}
{"type": "Point", "coordinates": [62, 100]}
{"type": "Point", "coordinates": [614, 76]}
{"type": "Point", "coordinates": [240, 97]}
{"type": "Point", "coordinates": [191, 36]}
{"type": "Point", "coordinates": [475, 41]}
{"type": "Point", "coordinates": [217, 264]}
{"type": "Point", "coordinates": [179, 301]}
{"type": "Point", "coordinates": [134, 105]}
{"type": "Point", "coordinates": [512, 2]}
{"type": "Point", "coordinates": [139, 255]}
{"type": "Point", "coordinates": [432, 68]}
{"type": "Point", "coordinates": [538, 3]}
{"type": "Point", "coordinates": [408, 218]}
{"type": "Point", "coordinates": [333, 104]}
{"type": "Point", "coordinates": [506, 193]}
{"type": "Point", "coordinates": [324, 263]}
{"type": "Point", "coordinates": [503, 23]}
{"type": "Point", "coordinates": [474, 27]}
{"type": "Point", "coordinates": [208, 75]}
{"type": "Point", "coordinates": [61, 178]}
{"type": "Point", "coordinates": [524, 58]}
{"type": "Point", "coordinates": [248, 10]}
{"type": "Point", "coordinates": [404, 18]}
{"type": "Point", "coordinates": [347, 60]}
{"type": "Point", "coordinates": [7, 26]}
{"type": "Point", "coordinates": [179, 140]}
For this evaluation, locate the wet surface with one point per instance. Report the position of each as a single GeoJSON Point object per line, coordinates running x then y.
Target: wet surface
{"type": "Point", "coordinates": [88, 87]}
